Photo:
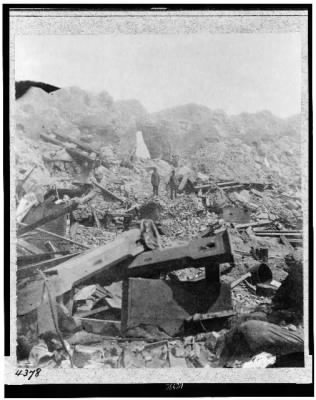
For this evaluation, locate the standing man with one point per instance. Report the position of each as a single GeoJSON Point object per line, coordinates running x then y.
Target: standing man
{"type": "Point", "coordinates": [173, 184]}
{"type": "Point", "coordinates": [155, 180]}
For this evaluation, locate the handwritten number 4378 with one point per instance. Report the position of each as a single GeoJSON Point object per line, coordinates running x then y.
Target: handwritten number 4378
{"type": "Point", "coordinates": [29, 373]}
{"type": "Point", "coordinates": [174, 386]}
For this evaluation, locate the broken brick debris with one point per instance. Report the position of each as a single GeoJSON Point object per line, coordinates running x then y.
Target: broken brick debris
{"type": "Point", "coordinates": [209, 210]}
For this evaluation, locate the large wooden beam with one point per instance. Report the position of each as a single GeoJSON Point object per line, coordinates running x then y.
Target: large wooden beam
{"type": "Point", "coordinates": [24, 272]}
{"type": "Point", "coordinates": [253, 224]}
{"type": "Point", "coordinates": [62, 211]}
{"type": "Point", "coordinates": [77, 142]}
{"type": "Point", "coordinates": [29, 247]}
{"type": "Point", "coordinates": [108, 193]}
{"type": "Point", "coordinates": [204, 252]}
{"type": "Point", "coordinates": [59, 237]}
{"type": "Point", "coordinates": [73, 152]}
{"type": "Point", "coordinates": [22, 261]}
{"type": "Point", "coordinates": [58, 213]}
{"type": "Point", "coordinates": [278, 234]}
{"type": "Point", "coordinates": [50, 139]}
{"type": "Point", "coordinates": [83, 146]}
{"type": "Point", "coordinates": [107, 261]}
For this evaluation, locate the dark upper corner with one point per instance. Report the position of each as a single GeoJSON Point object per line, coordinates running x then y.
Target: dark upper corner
{"type": "Point", "coordinates": [21, 87]}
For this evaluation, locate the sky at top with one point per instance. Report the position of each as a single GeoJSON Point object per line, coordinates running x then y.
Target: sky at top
{"type": "Point", "coordinates": [233, 72]}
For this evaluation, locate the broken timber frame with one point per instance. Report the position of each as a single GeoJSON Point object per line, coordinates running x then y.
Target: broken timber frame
{"type": "Point", "coordinates": [122, 259]}
{"type": "Point", "coordinates": [82, 146]}
{"type": "Point", "coordinates": [73, 152]}
{"type": "Point", "coordinates": [108, 260]}
{"type": "Point", "coordinates": [62, 211]}
{"type": "Point", "coordinates": [207, 252]}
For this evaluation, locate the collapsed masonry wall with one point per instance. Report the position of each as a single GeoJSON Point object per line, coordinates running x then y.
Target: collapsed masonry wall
{"type": "Point", "coordinates": [231, 154]}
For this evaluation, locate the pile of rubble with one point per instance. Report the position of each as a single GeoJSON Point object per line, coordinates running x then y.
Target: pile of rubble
{"type": "Point", "coordinates": [136, 280]}
{"type": "Point", "coordinates": [91, 316]}
{"type": "Point", "coordinates": [275, 160]}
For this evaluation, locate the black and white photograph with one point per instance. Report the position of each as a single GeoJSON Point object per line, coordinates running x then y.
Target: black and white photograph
{"type": "Point", "coordinates": [159, 196]}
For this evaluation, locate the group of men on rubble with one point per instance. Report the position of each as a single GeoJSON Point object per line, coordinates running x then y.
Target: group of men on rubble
{"type": "Point", "coordinates": [172, 183]}
{"type": "Point", "coordinates": [94, 198]}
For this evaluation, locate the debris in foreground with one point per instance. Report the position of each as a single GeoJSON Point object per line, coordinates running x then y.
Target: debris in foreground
{"type": "Point", "coordinates": [138, 299]}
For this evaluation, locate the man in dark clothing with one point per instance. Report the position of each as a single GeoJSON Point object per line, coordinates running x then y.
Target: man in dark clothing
{"type": "Point", "coordinates": [155, 180]}
{"type": "Point", "coordinates": [173, 184]}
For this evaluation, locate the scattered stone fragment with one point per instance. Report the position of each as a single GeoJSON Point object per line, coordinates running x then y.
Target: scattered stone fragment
{"type": "Point", "coordinates": [262, 360]}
